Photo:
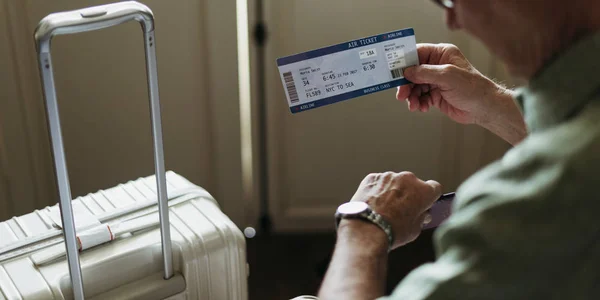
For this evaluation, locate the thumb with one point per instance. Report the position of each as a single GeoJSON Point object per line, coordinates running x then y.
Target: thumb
{"type": "Point", "coordinates": [436, 188]}
{"type": "Point", "coordinates": [441, 75]}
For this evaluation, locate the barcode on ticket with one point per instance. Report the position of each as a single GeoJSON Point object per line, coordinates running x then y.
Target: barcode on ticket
{"type": "Point", "coordinates": [397, 73]}
{"type": "Point", "coordinates": [291, 87]}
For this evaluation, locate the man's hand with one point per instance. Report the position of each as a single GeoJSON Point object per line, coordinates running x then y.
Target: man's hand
{"type": "Point", "coordinates": [359, 264]}
{"type": "Point", "coordinates": [402, 199]}
{"type": "Point", "coordinates": [446, 80]}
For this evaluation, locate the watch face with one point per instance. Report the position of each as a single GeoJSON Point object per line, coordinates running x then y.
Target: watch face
{"type": "Point", "coordinates": [353, 208]}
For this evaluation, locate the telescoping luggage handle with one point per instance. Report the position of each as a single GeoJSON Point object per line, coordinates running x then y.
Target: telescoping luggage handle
{"type": "Point", "coordinates": [83, 20]}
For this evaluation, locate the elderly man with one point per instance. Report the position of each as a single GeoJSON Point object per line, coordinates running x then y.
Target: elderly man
{"type": "Point", "coordinates": [525, 227]}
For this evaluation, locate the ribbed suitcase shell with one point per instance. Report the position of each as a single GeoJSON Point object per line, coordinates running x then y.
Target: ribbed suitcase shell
{"type": "Point", "coordinates": [208, 249]}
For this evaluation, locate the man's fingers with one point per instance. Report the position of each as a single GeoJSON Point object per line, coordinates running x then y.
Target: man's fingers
{"type": "Point", "coordinates": [413, 104]}
{"type": "Point", "coordinates": [437, 54]}
{"type": "Point", "coordinates": [423, 100]}
{"type": "Point", "coordinates": [426, 99]}
{"type": "Point", "coordinates": [440, 75]}
{"type": "Point", "coordinates": [416, 98]}
{"type": "Point", "coordinates": [436, 189]}
{"type": "Point", "coordinates": [413, 99]}
{"type": "Point", "coordinates": [403, 92]}
{"type": "Point", "coordinates": [436, 97]}
{"type": "Point", "coordinates": [429, 53]}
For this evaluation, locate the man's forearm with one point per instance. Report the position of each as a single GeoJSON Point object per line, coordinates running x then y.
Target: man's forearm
{"type": "Point", "coordinates": [359, 263]}
{"type": "Point", "coordinates": [506, 121]}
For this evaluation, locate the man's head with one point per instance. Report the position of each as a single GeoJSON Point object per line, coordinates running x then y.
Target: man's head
{"type": "Point", "coordinates": [524, 33]}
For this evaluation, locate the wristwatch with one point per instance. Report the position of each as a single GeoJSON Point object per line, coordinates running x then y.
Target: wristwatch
{"type": "Point", "coordinates": [361, 210]}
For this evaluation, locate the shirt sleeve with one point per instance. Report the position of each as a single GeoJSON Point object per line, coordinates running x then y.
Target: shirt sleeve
{"type": "Point", "coordinates": [521, 229]}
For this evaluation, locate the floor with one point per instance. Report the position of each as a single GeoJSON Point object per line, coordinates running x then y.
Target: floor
{"type": "Point", "coordinates": [283, 266]}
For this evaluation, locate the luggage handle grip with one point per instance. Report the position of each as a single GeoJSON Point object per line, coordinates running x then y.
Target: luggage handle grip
{"type": "Point", "coordinates": [92, 18]}
{"type": "Point", "coordinates": [83, 20]}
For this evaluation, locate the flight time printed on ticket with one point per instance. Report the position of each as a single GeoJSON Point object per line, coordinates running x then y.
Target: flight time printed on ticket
{"type": "Point", "coordinates": [347, 70]}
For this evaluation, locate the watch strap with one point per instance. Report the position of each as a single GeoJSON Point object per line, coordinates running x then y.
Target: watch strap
{"type": "Point", "coordinates": [372, 216]}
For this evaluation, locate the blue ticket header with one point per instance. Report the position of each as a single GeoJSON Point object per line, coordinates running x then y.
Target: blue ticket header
{"type": "Point", "coordinates": [345, 46]}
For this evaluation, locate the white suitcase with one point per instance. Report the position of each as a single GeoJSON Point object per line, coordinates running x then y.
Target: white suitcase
{"type": "Point", "coordinates": [208, 250]}
{"type": "Point", "coordinates": [117, 243]}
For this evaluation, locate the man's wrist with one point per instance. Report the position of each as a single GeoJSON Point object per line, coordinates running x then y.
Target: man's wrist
{"type": "Point", "coordinates": [493, 104]}
{"type": "Point", "coordinates": [370, 237]}
{"type": "Point", "coordinates": [504, 117]}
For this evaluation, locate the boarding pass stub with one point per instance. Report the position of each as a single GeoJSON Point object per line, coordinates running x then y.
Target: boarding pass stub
{"type": "Point", "coordinates": [347, 70]}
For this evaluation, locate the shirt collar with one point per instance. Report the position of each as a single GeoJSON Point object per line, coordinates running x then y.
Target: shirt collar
{"type": "Point", "coordinates": [563, 87]}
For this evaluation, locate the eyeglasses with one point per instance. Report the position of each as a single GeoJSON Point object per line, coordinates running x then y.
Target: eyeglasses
{"type": "Point", "coordinates": [445, 3]}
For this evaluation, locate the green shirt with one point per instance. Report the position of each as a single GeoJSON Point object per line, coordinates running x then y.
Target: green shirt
{"type": "Point", "coordinates": [528, 226]}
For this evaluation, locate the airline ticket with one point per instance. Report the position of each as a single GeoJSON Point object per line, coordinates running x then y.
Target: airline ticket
{"type": "Point", "coordinates": [347, 70]}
